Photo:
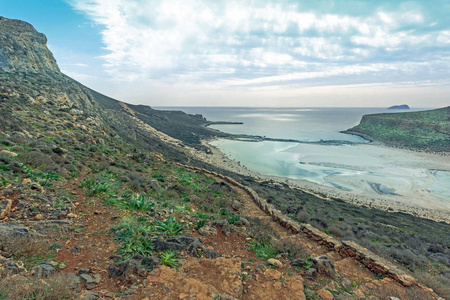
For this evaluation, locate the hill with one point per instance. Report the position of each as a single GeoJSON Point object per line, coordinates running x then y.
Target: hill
{"type": "Point", "coordinates": [103, 199]}
{"type": "Point", "coordinates": [402, 106]}
{"type": "Point", "coordinates": [420, 130]}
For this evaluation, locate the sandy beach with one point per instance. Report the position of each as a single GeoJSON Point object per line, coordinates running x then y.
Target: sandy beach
{"type": "Point", "coordinates": [418, 200]}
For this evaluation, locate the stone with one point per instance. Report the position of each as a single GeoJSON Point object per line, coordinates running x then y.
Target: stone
{"type": "Point", "coordinates": [90, 296]}
{"type": "Point", "coordinates": [90, 282]}
{"type": "Point", "coordinates": [325, 295]}
{"type": "Point", "coordinates": [127, 271]}
{"type": "Point", "coordinates": [311, 273]}
{"type": "Point", "coordinates": [149, 263]}
{"type": "Point", "coordinates": [97, 278]}
{"type": "Point", "coordinates": [236, 205]}
{"type": "Point", "coordinates": [244, 222]}
{"type": "Point", "coordinates": [8, 153]}
{"type": "Point", "coordinates": [298, 263]}
{"type": "Point", "coordinates": [36, 187]}
{"type": "Point", "coordinates": [13, 230]}
{"type": "Point", "coordinates": [207, 231]}
{"type": "Point", "coordinates": [324, 266]}
{"type": "Point", "coordinates": [84, 271]}
{"type": "Point", "coordinates": [12, 267]}
{"type": "Point", "coordinates": [154, 185]}
{"type": "Point", "coordinates": [275, 262]}
{"type": "Point", "coordinates": [196, 249]}
{"type": "Point", "coordinates": [183, 296]}
{"type": "Point", "coordinates": [43, 270]}
{"type": "Point", "coordinates": [74, 282]}
{"type": "Point", "coordinates": [161, 245]}
{"type": "Point", "coordinates": [71, 215]}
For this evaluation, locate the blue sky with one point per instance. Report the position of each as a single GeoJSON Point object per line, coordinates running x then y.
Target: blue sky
{"type": "Point", "coordinates": [250, 53]}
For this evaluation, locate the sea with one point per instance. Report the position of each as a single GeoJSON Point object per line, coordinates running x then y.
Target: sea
{"type": "Point", "coordinates": [349, 164]}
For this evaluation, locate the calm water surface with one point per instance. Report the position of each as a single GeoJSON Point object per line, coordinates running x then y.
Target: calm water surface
{"type": "Point", "coordinates": [338, 166]}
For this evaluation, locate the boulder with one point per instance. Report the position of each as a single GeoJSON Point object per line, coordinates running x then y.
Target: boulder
{"type": "Point", "coordinates": [198, 250]}
{"type": "Point", "coordinates": [43, 270]}
{"type": "Point", "coordinates": [298, 263]}
{"type": "Point", "coordinates": [90, 282]}
{"type": "Point", "coordinates": [275, 262]}
{"type": "Point", "coordinates": [8, 153]}
{"type": "Point", "coordinates": [207, 231]}
{"type": "Point", "coordinates": [324, 266]}
{"type": "Point", "coordinates": [128, 270]}
{"type": "Point", "coordinates": [149, 263]}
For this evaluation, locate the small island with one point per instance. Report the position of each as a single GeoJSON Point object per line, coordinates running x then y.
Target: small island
{"type": "Point", "coordinates": [403, 106]}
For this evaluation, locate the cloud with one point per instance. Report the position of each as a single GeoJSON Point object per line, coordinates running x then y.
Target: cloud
{"type": "Point", "coordinates": [246, 43]}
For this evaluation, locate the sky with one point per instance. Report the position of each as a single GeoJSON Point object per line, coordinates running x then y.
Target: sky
{"type": "Point", "coordinates": [285, 53]}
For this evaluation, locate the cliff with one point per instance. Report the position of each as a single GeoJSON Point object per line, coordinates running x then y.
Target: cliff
{"type": "Point", "coordinates": [422, 130]}
{"type": "Point", "coordinates": [23, 49]}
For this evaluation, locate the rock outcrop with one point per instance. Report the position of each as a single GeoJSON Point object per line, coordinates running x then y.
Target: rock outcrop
{"type": "Point", "coordinates": [24, 49]}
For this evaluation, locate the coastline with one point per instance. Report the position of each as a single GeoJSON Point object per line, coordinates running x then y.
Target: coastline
{"type": "Point", "coordinates": [387, 203]}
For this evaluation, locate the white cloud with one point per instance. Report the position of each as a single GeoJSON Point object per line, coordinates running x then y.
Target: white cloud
{"type": "Point", "coordinates": [243, 43]}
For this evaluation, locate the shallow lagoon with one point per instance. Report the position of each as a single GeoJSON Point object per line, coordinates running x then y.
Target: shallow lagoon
{"type": "Point", "coordinates": [359, 169]}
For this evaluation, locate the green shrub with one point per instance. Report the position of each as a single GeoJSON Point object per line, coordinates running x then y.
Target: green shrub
{"type": "Point", "coordinates": [142, 245]}
{"type": "Point", "coordinates": [200, 224]}
{"type": "Point", "coordinates": [170, 227]}
{"type": "Point", "coordinates": [129, 226]}
{"type": "Point", "coordinates": [233, 219]}
{"type": "Point", "coordinates": [263, 249]}
{"type": "Point", "coordinates": [97, 188]}
{"type": "Point", "coordinates": [139, 202]}
{"type": "Point", "coordinates": [170, 258]}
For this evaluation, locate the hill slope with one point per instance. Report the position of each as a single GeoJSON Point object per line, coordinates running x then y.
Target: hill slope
{"type": "Point", "coordinates": [93, 202]}
{"type": "Point", "coordinates": [421, 130]}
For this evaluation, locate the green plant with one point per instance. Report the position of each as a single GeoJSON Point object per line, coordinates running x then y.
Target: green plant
{"type": "Point", "coordinates": [142, 245]}
{"type": "Point", "coordinates": [170, 227]}
{"type": "Point", "coordinates": [170, 258]}
{"type": "Point", "coordinates": [129, 226]}
{"type": "Point", "coordinates": [200, 224]}
{"type": "Point", "coordinates": [97, 188]}
{"type": "Point", "coordinates": [139, 202]}
{"type": "Point", "coordinates": [263, 249]}
{"type": "Point", "coordinates": [233, 219]}
{"type": "Point", "coordinates": [202, 215]}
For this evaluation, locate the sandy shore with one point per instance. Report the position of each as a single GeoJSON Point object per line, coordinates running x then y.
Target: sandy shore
{"type": "Point", "coordinates": [416, 202]}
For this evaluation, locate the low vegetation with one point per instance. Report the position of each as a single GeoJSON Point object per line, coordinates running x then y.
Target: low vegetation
{"type": "Point", "coordinates": [424, 130]}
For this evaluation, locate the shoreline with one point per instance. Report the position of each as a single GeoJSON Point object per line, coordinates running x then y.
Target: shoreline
{"type": "Point", "coordinates": [386, 203]}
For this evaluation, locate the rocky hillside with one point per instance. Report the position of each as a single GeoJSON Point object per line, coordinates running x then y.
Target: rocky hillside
{"type": "Point", "coordinates": [422, 130]}
{"type": "Point", "coordinates": [100, 199]}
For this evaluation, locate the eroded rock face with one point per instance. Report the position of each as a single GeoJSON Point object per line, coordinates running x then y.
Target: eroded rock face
{"type": "Point", "coordinates": [23, 48]}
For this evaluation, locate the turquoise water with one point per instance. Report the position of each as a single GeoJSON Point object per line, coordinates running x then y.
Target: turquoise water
{"type": "Point", "coordinates": [360, 168]}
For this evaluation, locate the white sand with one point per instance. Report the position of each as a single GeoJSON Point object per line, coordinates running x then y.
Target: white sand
{"type": "Point", "coordinates": [415, 196]}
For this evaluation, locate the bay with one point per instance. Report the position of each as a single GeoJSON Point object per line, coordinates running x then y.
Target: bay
{"type": "Point", "coordinates": [358, 169]}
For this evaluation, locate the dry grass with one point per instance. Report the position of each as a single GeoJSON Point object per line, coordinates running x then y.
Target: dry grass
{"type": "Point", "coordinates": [439, 283]}
{"type": "Point", "coordinates": [19, 287]}
{"type": "Point", "coordinates": [292, 248]}
{"type": "Point", "coordinates": [260, 229]}
{"type": "Point", "coordinates": [25, 248]}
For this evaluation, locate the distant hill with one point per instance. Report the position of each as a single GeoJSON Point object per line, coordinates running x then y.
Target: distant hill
{"type": "Point", "coordinates": [403, 106]}
{"type": "Point", "coordinates": [422, 130]}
